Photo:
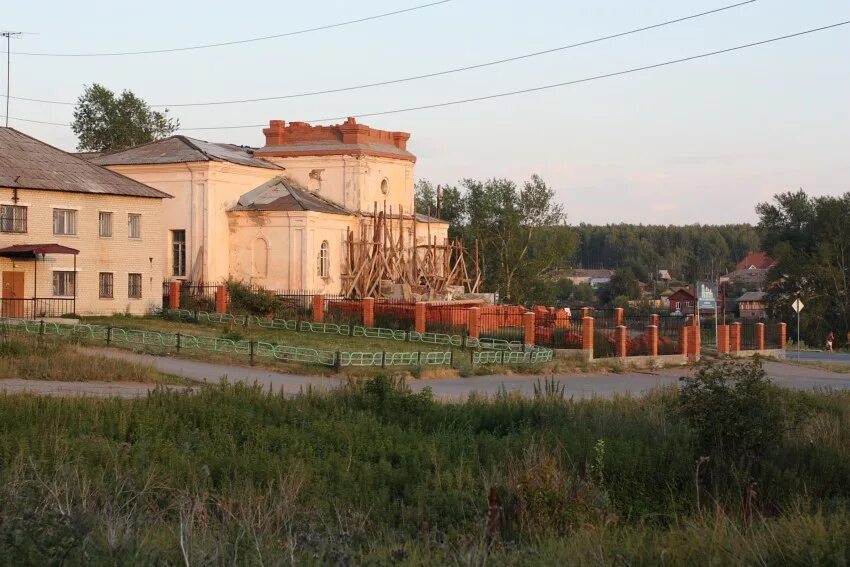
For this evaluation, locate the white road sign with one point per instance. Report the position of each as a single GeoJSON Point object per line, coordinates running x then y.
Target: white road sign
{"type": "Point", "coordinates": [797, 305]}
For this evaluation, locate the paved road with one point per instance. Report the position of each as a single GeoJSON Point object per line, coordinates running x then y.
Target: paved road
{"type": "Point", "coordinates": [820, 356]}
{"type": "Point", "coordinates": [579, 385]}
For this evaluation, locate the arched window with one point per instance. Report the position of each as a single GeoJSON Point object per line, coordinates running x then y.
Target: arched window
{"type": "Point", "coordinates": [324, 260]}
{"type": "Point", "coordinates": [260, 258]}
{"type": "Point", "coordinates": [385, 187]}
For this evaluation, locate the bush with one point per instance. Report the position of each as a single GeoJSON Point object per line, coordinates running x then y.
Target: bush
{"type": "Point", "coordinates": [734, 411]}
{"type": "Point", "coordinates": [243, 299]}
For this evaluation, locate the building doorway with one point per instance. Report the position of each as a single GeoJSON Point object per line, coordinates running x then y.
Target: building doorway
{"type": "Point", "coordinates": [13, 294]}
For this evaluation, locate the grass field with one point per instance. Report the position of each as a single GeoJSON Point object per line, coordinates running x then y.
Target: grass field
{"type": "Point", "coordinates": [372, 474]}
{"type": "Point", "coordinates": [46, 358]}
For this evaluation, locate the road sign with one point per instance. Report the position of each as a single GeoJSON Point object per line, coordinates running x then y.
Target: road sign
{"type": "Point", "coordinates": [797, 305]}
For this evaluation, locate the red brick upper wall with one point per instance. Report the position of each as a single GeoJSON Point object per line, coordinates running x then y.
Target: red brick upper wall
{"type": "Point", "coordinates": [300, 138]}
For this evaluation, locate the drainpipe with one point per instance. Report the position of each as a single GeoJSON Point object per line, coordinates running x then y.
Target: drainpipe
{"type": "Point", "coordinates": [190, 253]}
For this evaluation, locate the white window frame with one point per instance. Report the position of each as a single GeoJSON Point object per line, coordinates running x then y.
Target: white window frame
{"type": "Point", "coordinates": [324, 267]}
{"type": "Point", "coordinates": [67, 278]}
{"type": "Point", "coordinates": [138, 218]}
{"type": "Point", "coordinates": [176, 265]}
{"type": "Point", "coordinates": [22, 218]}
{"type": "Point", "coordinates": [69, 222]}
{"type": "Point", "coordinates": [101, 215]}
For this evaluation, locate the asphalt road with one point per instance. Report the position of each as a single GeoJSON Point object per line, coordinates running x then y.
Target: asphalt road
{"type": "Point", "coordinates": [820, 356]}
{"type": "Point", "coordinates": [587, 385]}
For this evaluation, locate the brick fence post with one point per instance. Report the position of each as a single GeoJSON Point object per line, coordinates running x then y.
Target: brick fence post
{"type": "Point", "coordinates": [621, 338]}
{"type": "Point", "coordinates": [419, 317]}
{"type": "Point", "coordinates": [759, 336]}
{"type": "Point", "coordinates": [735, 337]}
{"type": "Point", "coordinates": [652, 337]}
{"type": "Point", "coordinates": [683, 339]}
{"type": "Point", "coordinates": [221, 299]}
{"type": "Point", "coordinates": [619, 317]}
{"type": "Point", "coordinates": [585, 312]}
{"type": "Point", "coordinates": [318, 308]}
{"type": "Point", "coordinates": [587, 335]}
{"type": "Point", "coordinates": [722, 339]}
{"type": "Point", "coordinates": [368, 305]}
{"type": "Point", "coordinates": [528, 327]}
{"type": "Point", "coordinates": [696, 344]}
{"type": "Point", "coordinates": [473, 329]}
{"type": "Point", "coordinates": [655, 319]}
{"type": "Point", "coordinates": [174, 295]}
{"type": "Point", "coordinates": [783, 335]}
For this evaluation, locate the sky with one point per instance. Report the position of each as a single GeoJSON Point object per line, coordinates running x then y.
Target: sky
{"type": "Point", "coordinates": [697, 142]}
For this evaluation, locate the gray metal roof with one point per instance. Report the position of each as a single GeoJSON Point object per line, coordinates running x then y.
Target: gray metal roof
{"type": "Point", "coordinates": [183, 149]}
{"type": "Point", "coordinates": [27, 163]}
{"type": "Point", "coordinates": [752, 296]}
{"type": "Point", "coordinates": [284, 194]}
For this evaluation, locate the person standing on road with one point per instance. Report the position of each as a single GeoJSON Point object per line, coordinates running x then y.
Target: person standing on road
{"type": "Point", "coordinates": [830, 339]}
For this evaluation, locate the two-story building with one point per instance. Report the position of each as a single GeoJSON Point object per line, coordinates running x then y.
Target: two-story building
{"type": "Point", "coordinates": [75, 237]}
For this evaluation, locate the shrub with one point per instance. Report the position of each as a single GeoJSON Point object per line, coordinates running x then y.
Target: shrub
{"type": "Point", "coordinates": [243, 299]}
{"type": "Point", "coordinates": [734, 411]}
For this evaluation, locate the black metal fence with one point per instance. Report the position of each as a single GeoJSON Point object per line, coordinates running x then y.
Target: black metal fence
{"type": "Point", "coordinates": [502, 323]}
{"type": "Point", "coordinates": [447, 318]}
{"type": "Point", "coordinates": [394, 314]}
{"type": "Point", "coordinates": [34, 308]}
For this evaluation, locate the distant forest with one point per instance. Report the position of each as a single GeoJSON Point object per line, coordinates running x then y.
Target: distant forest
{"type": "Point", "coordinates": [688, 252]}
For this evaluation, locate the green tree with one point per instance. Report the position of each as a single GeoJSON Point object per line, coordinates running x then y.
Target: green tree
{"type": "Point", "coordinates": [810, 239]}
{"type": "Point", "coordinates": [624, 285]}
{"type": "Point", "coordinates": [104, 122]}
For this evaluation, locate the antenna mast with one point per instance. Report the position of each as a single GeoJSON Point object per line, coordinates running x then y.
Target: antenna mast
{"type": "Point", "coordinates": [8, 35]}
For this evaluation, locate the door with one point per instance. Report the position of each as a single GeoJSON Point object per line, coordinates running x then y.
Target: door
{"type": "Point", "coordinates": [13, 294]}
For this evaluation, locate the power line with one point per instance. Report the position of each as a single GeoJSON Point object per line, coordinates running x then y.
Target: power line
{"type": "Point", "coordinates": [528, 90]}
{"type": "Point", "coordinates": [238, 41]}
{"type": "Point", "coordinates": [429, 75]}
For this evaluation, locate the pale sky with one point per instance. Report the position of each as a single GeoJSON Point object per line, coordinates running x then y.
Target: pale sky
{"type": "Point", "coordinates": [701, 141]}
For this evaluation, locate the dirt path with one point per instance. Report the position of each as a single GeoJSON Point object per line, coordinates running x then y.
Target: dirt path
{"type": "Point", "coordinates": [578, 385]}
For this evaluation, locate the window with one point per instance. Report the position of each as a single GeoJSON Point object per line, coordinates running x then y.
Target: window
{"type": "Point", "coordinates": [324, 260]}
{"type": "Point", "coordinates": [134, 286]}
{"type": "Point", "coordinates": [105, 223]}
{"type": "Point", "coordinates": [13, 218]}
{"type": "Point", "coordinates": [105, 285]}
{"type": "Point", "coordinates": [64, 221]}
{"type": "Point", "coordinates": [63, 284]}
{"type": "Point", "coordinates": [385, 186]}
{"type": "Point", "coordinates": [178, 253]}
{"type": "Point", "coordinates": [134, 225]}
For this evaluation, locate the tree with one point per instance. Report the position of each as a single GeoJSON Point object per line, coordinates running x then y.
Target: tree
{"type": "Point", "coordinates": [810, 239]}
{"type": "Point", "coordinates": [104, 122]}
{"type": "Point", "coordinates": [624, 286]}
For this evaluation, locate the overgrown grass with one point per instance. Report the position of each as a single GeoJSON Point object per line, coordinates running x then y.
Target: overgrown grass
{"type": "Point", "coordinates": [372, 473]}
{"type": "Point", "coordinates": [46, 358]}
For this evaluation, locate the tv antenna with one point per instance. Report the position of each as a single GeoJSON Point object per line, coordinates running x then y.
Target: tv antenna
{"type": "Point", "coordinates": [9, 35]}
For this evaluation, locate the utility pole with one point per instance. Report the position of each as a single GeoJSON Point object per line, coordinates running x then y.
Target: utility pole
{"type": "Point", "coordinates": [8, 35]}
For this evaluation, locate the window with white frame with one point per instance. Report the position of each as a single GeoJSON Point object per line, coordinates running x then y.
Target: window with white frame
{"type": "Point", "coordinates": [324, 260]}
{"type": "Point", "coordinates": [178, 253]}
{"type": "Point", "coordinates": [134, 225]}
{"type": "Point", "coordinates": [63, 284]}
{"type": "Point", "coordinates": [64, 221]}
{"type": "Point", "coordinates": [105, 287]}
{"type": "Point", "coordinates": [105, 224]}
{"type": "Point", "coordinates": [134, 286]}
{"type": "Point", "coordinates": [13, 218]}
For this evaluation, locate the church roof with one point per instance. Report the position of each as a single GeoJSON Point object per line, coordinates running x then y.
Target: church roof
{"type": "Point", "coordinates": [183, 149]}
{"type": "Point", "coordinates": [284, 194]}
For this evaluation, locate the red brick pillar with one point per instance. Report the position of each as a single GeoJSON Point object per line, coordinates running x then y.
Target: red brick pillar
{"type": "Point", "coordinates": [655, 319]}
{"type": "Point", "coordinates": [759, 336]}
{"type": "Point", "coordinates": [221, 299]}
{"type": "Point", "coordinates": [585, 312]}
{"type": "Point", "coordinates": [619, 318]}
{"type": "Point", "coordinates": [318, 308]}
{"type": "Point", "coordinates": [696, 343]}
{"type": "Point", "coordinates": [419, 313]}
{"type": "Point", "coordinates": [652, 338]}
{"type": "Point", "coordinates": [735, 338]}
{"type": "Point", "coordinates": [684, 333]}
{"type": "Point", "coordinates": [368, 304]}
{"type": "Point", "coordinates": [528, 327]}
{"type": "Point", "coordinates": [587, 334]}
{"type": "Point", "coordinates": [174, 295]}
{"type": "Point", "coordinates": [621, 337]}
{"type": "Point", "coordinates": [783, 335]}
{"type": "Point", "coordinates": [722, 339]}
{"type": "Point", "coordinates": [472, 322]}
